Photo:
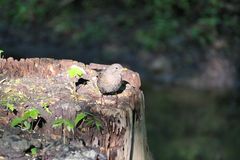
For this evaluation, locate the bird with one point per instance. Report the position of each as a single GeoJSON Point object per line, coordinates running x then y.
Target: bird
{"type": "Point", "coordinates": [110, 80]}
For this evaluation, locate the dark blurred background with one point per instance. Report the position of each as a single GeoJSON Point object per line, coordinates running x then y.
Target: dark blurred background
{"type": "Point", "coordinates": [187, 53]}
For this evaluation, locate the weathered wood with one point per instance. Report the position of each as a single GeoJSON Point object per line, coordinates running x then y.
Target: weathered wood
{"type": "Point", "coordinates": [30, 83]}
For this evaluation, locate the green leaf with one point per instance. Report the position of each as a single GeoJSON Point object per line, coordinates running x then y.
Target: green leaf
{"type": "Point", "coordinates": [16, 121]}
{"type": "Point", "coordinates": [45, 107]}
{"type": "Point", "coordinates": [58, 123]}
{"type": "Point", "coordinates": [69, 125]}
{"type": "Point", "coordinates": [34, 151]}
{"type": "Point", "coordinates": [98, 125]}
{"type": "Point", "coordinates": [10, 107]}
{"type": "Point", "coordinates": [31, 113]}
{"type": "Point", "coordinates": [26, 126]}
{"type": "Point", "coordinates": [48, 110]}
{"type": "Point", "coordinates": [89, 122]}
{"type": "Point", "coordinates": [88, 113]}
{"type": "Point", "coordinates": [75, 71]}
{"type": "Point", "coordinates": [79, 117]}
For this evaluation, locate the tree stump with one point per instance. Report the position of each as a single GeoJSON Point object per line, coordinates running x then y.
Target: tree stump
{"type": "Point", "coordinates": [113, 126]}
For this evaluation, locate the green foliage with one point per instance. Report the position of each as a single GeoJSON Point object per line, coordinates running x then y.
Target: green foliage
{"type": "Point", "coordinates": [169, 17]}
{"type": "Point", "coordinates": [92, 121]}
{"type": "Point", "coordinates": [58, 122]}
{"type": "Point", "coordinates": [75, 71]}
{"type": "Point", "coordinates": [63, 122]}
{"type": "Point", "coordinates": [151, 24]}
{"type": "Point", "coordinates": [34, 151]}
{"type": "Point", "coordinates": [160, 30]}
{"type": "Point", "coordinates": [25, 122]}
{"type": "Point", "coordinates": [31, 113]}
{"type": "Point", "coordinates": [8, 105]}
{"type": "Point", "coordinates": [86, 118]}
{"type": "Point", "coordinates": [22, 13]}
{"type": "Point", "coordinates": [66, 124]}
{"type": "Point", "coordinates": [12, 98]}
{"type": "Point", "coordinates": [16, 121]}
{"type": "Point", "coordinates": [45, 107]}
{"type": "Point", "coordinates": [79, 117]}
{"type": "Point", "coordinates": [92, 32]}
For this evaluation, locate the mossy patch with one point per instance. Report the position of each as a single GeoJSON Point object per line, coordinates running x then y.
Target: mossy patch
{"type": "Point", "coordinates": [11, 98]}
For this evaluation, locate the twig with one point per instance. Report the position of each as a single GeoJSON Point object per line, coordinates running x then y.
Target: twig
{"type": "Point", "coordinates": [3, 80]}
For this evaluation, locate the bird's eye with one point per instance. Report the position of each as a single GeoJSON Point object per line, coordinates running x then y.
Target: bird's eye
{"type": "Point", "coordinates": [116, 68]}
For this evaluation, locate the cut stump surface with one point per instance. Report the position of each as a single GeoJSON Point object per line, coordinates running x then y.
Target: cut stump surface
{"type": "Point", "coordinates": [45, 85]}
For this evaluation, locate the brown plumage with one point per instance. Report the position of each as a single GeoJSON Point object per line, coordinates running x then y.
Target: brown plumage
{"type": "Point", "coordinates": [110, 80]}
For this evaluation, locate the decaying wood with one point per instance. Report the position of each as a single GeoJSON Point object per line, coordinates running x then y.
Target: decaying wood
{"type": "Point", "coordinates": [34, 82]}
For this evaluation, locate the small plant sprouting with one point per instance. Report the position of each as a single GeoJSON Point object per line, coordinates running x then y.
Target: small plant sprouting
{"type": "Point", "coordinates": [84, 117]}
{"type": "Point", "coordinates": [76, 71]}
{"type": "Point", "coordinates": [8, 106]}
{"type": "Point", "coordinates": [79, 117]}
{"type": "Point", "coordinates": [34, 151]}
{"type": "Point", "coordinates": [89, 119]}
{"type": "Point", "coordinates": [65, 123]}
{"type": "Point", "coordinates": [45, 107]}
{"type": "Point", "coordinates": [25, 122]}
